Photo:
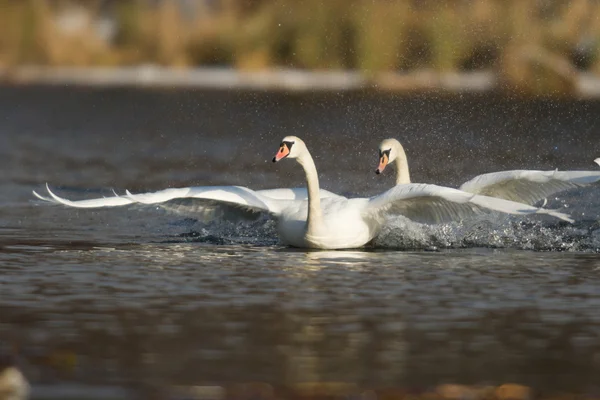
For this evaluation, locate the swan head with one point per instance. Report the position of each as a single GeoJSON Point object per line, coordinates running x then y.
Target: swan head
{"type": "Point", "coordinates": [290, 147]}
{"type": "Point", "coordinates": [388, 151]}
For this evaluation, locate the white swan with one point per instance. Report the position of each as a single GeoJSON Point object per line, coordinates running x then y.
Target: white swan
{"type": "Point", "coordinates": [206, 203]}
{"type": "Point", "coordinates": [522, 186]}
{"type": "Point", "coordinates": [205, 192]}
{"type": "Point", "coordinates": [326, 223]}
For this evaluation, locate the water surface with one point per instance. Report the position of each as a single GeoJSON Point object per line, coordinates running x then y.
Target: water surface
{"type": "Point", "coordinates": [138, 297]}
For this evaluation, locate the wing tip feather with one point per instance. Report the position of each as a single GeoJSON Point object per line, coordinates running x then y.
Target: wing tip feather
{"type": "Point", "coordinates": [511, 207]}
{"type": "Point", "coordinates": [39, 196]}
{"type": "Point", "coordinates": [557, 214]}
{"type": "Point", "coordinates": [55, 197]}
{"type": "Point", "coordinates": [134, 198]}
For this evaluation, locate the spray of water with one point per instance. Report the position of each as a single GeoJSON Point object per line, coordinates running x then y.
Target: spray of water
{"type": "Point", "coordinates": [403, 234]}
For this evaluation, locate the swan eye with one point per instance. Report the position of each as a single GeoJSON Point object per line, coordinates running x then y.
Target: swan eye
{"type": "Point", "coordinates": [385, 153]}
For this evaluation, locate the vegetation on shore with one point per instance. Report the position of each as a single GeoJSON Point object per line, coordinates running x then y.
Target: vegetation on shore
{"type": "Point", "coordinates": [534, 45]}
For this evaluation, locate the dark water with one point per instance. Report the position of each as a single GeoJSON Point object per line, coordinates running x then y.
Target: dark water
{"type": "Point", "coordinates": [139, 298]}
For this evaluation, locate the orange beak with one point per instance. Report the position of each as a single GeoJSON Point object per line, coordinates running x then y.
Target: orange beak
{"type": "Point", "coordinates": [383, 161]}
{"type": "Point", "coordinates": [283, 152]}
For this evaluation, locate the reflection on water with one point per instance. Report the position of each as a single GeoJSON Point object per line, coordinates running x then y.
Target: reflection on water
{"type": "Point", "coordinates": [164, 313]}
{"type": "Point", "coordinates": [140, 299]}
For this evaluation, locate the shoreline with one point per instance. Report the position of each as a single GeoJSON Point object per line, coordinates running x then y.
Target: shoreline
{"type": "Point", "coordinates": [304, 390]}
{"type": "Point", "coordinates": [583, 85]}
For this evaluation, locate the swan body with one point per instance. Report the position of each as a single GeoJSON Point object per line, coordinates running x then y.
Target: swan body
{"type": "Point", "coordinates": [240, 203]}
{"type": "Point", "coordinates": [522, 186]}
{"type": "Point", "coordinates": [343, 225]}
{"type": "Point", "coordinates": [319, 221]}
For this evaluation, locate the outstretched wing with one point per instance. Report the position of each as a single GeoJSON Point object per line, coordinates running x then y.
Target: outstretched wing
{"type": "Point", "coordinates": [206, 202]}
{"type": "Point", "coordinates": [526, 186]}
{"type": "Point", "coordinates": [597, 161]}
{"type": "Point", "coordinates": [438, 204]}
{"type": "Point", "coordinates": [91, 203]}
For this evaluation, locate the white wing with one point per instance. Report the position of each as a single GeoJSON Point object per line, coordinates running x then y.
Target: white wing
{"type": "Point", "coordinates": [91, 203]}
{"type": "Point", "coordinates": [294, 194]}
{"type": "Point", "coordinates": [207, 202]}
{"type": "Point", "coordinates": [437, 204]}
{"type": "Point", "coordinates": [526, 186]}
{"type": "Point", "coordinates": [597, 161]}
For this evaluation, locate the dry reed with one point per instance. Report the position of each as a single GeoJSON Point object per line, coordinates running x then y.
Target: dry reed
{"type": "Point", "coordinates": [520, 39]}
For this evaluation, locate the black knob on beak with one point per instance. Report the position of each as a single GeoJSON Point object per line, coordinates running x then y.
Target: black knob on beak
{"type": "Point", "coordinates": [377, 171]}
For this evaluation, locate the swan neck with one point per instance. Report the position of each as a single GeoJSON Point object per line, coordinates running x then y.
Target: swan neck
{"type": "Point", "coordinates": [315, 215]}
{"type": "Point", "coordinates": [402, 172]}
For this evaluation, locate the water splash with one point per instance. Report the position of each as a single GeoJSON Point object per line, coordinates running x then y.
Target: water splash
{"type": "Point", "coordinates": [403, 234]}
{"type": "Point", "coordinates": [510, 233]}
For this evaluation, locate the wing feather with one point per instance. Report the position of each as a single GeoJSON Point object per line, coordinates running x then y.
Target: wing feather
{"type": "Point", "coordinates": [90, 203]}
{"type": "Point", "coordinates": [206, 203]}
{"type": "Point", "coordinates": [207, 210]}
{"type": "Point", "coordinates": [529, 187]}
{"type": "Point", "coordinates": [437, 204]}
{"type": "Point", "coordinates": [209, 203]}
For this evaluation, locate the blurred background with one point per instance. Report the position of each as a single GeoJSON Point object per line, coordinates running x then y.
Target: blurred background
{"type": "Point", "coordinates": [527, 46]}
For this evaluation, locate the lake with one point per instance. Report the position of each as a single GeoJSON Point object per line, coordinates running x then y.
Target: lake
{"type": "Point", "coordinates": [137, 300]}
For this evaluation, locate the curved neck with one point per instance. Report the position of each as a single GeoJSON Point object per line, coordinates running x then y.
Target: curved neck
{"type": "Point", "coordinates": [402, 173]}
{"type": "Point", "coordinates": [315, 215]}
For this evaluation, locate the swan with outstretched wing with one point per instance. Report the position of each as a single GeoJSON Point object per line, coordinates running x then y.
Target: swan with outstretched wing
{"type": "Point", "coordinates": [205, 203]}
{"type": "Point", "coordinates": [523, 186]}
{"type": "Point", "coordinates": [324, 222]}
{"type": "Point", "coordinates": [209, 202]}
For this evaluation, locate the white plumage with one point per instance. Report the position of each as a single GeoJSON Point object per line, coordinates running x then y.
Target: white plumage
{"type": "Point", "coordinates": [324, 220]}
{"type": "Point", "coordinates": [522, 186]}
